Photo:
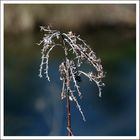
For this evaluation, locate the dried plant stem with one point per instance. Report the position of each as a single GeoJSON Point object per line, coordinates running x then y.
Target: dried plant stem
{"type": "Point", "coordinates": [68, 107]}
{"type": "Point", "coordinates": [70, 68]}
{"type": "Point", "coordinates": [68, 116]}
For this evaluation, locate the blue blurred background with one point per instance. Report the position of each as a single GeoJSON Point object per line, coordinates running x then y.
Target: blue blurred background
{"type": "Point", "coordinates": [33, 106]}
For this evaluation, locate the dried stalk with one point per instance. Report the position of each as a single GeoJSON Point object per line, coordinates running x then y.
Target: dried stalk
{"type": "Point", "coordinates": [68, 116]}
{"type": "Point", "coordinates": [70, 68]}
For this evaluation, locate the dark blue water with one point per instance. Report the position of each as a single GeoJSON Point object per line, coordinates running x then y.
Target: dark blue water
{"type": "Point", "coordinates": [33, 106]}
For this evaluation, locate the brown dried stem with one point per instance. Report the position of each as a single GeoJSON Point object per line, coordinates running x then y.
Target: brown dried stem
{"type": "Point", "coordinates": [68, 116]}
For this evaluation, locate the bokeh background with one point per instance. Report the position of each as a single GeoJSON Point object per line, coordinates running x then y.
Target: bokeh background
{"type": "Point", "coordinates": [33, 107]}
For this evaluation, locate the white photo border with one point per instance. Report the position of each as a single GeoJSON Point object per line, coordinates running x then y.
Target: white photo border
{"type": "Point", "coordinates": [2, 69]}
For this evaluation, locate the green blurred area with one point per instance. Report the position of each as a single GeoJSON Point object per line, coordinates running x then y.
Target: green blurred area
{"type": "Point", "coordinates": [78, 17]}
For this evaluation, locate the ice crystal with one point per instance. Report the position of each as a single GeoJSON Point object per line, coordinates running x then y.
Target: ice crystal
{"type": "Point", "coordinates": [70, 68]}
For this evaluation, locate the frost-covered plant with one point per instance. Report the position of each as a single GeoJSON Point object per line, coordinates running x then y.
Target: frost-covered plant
{"type": "Point", "coordinates": [70, 68]}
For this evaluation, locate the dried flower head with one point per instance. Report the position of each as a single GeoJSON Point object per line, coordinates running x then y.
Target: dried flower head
{"type": "Point", "coordinates": [70, 69]}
